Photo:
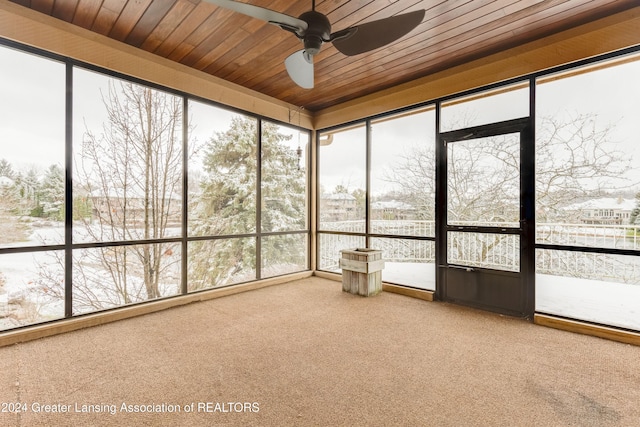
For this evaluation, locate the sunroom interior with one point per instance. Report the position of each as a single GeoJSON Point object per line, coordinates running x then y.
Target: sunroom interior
{"type": "Point", "coordinates": [505, 180]}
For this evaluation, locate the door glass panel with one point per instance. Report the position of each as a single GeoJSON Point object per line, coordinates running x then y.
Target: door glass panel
{"type": "Point", "coordinates": [483, 181]}
{"type": "Point", "coordinates": [486, 250]}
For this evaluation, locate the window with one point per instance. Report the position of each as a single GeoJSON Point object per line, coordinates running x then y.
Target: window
{"type": "Point", "coordinates": [283, 253]}
{"type": "Point", "coordinates": [164, 193]}
{"type": "Point", "coordinates": [399, 218]}
{"type": "Point", "coordinates": [32, 285]}
{"type": "Point", "coordinates": [329, 247]}
{"type": "Point", "coordinates": [114, 276]}
{"type": "Point", "coordinates": [342, 178]}
{"type": "Point", "coordinates": [32, 188]}
{"type": "Point", "coordinates": [285, 154]}
{"type": "Point", "coordinates": [223, 166]}
{"type": "Point", "coordinates": [127, 187]}
{"type": "Point", "coordinates": [127, 160]}
{"type": "Point", "coordinates": [586, 185]}
{"type": "Point", "coordinates": [409, 262]}
{"type": "Point", "coordinates": [32, 160]}
{"type": "Point", "coordinates": [402, 197]}
{"type": "Point", "coordinates": [284, 207]}
{"type": "Point", "coordinates": [220, 262]}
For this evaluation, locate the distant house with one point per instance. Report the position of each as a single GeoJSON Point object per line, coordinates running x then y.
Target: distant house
{"type": "Point", "coordinates": [116, 208]}
{"type": "Point", "coordinates": [393, 210]}
{"type": "Point", "coordinates": [604, 211]}
{"type": "Point", "coordinates": [338, 207]}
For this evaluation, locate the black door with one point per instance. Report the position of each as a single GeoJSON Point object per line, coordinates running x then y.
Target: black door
{"type": "Point", "coordinates": [485, 223]}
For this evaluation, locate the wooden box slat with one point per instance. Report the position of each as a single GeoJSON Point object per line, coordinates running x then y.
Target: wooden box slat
{"type": "Point", "coordinates": [361, 271]}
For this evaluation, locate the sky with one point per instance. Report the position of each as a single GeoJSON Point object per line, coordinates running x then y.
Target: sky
{"type": "Point", "coordinates": [32, 97]}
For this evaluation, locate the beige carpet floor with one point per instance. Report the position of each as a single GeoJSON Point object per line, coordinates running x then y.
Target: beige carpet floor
{"type": "Point", "coordinates": [307, 354]}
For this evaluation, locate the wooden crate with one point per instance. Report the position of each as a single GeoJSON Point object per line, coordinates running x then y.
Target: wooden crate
{"type": "Point", "coordinates": [361, 271]}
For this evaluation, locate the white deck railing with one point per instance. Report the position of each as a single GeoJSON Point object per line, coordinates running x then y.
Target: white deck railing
{"type": "Point", "coordinates": [498, 251]}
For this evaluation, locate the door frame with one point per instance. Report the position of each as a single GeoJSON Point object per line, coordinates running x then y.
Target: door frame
{"type": "Point", "coordinates": [483, 279]}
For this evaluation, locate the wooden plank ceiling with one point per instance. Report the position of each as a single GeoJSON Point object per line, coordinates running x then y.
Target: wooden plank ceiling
{"type": "Point", "coordinates": [251, 53]}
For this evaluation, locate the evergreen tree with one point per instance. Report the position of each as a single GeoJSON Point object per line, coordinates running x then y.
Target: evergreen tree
{"type": "Point", "coordinates": [283, 183]}
{"type": "Point", "coordinates": [51, 193]}
{"type": "Point", "coordinates": [284, 204]}
{"type": "Point", "coordinates": [7, 185]}
{"type": "Point", "coordinates": [27, 185]}
{"type": "Point", "coordinates": [227, 204]}
{"type": "Point", "coordinates": [6, 169]}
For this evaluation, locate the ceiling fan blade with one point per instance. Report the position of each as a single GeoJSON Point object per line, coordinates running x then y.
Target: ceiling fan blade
{"type": "Point", "coordinates": [372, 35]}
{"type": "Point", "coordinates": [300, 68]}
{"type": "Point", "coordinates": [287, 22]}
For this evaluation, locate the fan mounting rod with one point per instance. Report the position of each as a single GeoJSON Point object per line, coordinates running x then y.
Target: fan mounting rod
{"type": "Point", "coordinates": [318, 32]}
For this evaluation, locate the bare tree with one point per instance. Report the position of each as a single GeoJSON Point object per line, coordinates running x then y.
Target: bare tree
{"type": "Point", "coordinates": [576, 159]}
{"type": "Point", "coordinates": [130, 173]}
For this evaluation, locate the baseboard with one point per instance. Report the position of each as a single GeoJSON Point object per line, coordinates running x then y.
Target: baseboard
{"type": "Point", "coordinates": [327, 275]}
{"type": "Point", "coordinates": [61, 326]}
{"type": "Point", "coordinates": [410, 292]}
{"type": "Point", "coordinates": [579, 327]}
{"type": "Point", "coordinates": [386, 287]}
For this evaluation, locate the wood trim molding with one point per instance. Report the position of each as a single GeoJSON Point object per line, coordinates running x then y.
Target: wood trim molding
{"type": "Point", "coordinates": [67, 325]}
{"type": "Point", "coordinates": [336, 277]}
{"type": "Point", "coordinates": [38, 30]}
{"type": "Point", "coordinates": [576, 326]}
{"type": "Point", "coordinates": [409, 292]}
{"type": "Point", "coordinates": [606, 35]}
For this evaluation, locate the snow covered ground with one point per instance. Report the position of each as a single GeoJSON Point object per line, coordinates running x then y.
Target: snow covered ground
{"type": "Point", "coordinates": [608, 303]}
{"type": "Point", "coordinates": [417, 275]}
{"type": "Point", "coordinates": [19, 304]}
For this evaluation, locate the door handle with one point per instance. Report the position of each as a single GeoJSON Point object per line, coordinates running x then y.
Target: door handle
{"type": "Point", "coordinates": [459, 267]}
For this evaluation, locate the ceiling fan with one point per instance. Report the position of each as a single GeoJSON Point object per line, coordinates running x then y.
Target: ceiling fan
{"type": "Point", "coordinates": [314, 29]}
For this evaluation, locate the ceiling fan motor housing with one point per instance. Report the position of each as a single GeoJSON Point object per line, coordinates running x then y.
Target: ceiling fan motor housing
{"type": "Point", "coordinates": [318, 32]}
